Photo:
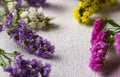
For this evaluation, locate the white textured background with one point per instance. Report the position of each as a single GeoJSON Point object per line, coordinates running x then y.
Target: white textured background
{"type": "Point", "coordinates": [71, 39]}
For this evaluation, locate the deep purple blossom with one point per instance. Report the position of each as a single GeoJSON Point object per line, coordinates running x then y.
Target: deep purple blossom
{"type": "Point", "coordinates": [36, 2]}
{"type": "Point", "coordinates": [8, 22]}
{"type": "Point", "coordinates": [117, 43]}
{"type": "Point", "coordinates": [34, 43]}
{"type": "Point", "coordinates": [97, 28]}
{"type": "Point", "coordinates": [2, 27]}
{"type": "Point", "coordinates": [26, 68]}
{"type": "Point", "coordinates": [19, 3]}
{"type": "Point", "coordinates": [9, 19]}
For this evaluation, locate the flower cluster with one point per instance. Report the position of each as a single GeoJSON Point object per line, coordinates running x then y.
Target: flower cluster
{"type": "Point", "coordinates": [87, 7]}
{"type": "Point", "coordinates": [103, 37]}
{"type": "Point", "coordinates": [34, 43]}
{"type": "Point", "coordinates": [19, 67]}
{"type": "Point", "coordinates": [99, 46]}
{"type": "Point", "coordinates": [36, 2]}
{"type": "Point", "coordinates": [20, 24]}
{"type": "Point", "coordinates": [35, 18]}
{"type": "Point", "coordinates": [27, 68]}
{"type": "Point", "coordinates": [8, 22]}
{"type": "Point", "coordinates": [117, 43]}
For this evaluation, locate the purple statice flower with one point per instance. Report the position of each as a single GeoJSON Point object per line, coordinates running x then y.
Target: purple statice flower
{"type": "Point", "coordinates": [9, 19]}
{"type": "Point", "coordinates": [19, 3]}
{"type": "Point", "coordinates": [98, 52]}
{"type": "Point", "coordinates": [34, 43]}
{"type": "Point", "coordinates": [8, 22]}
{"type": "Point", "coordinates": [117, 43]}
{"type": "Point", "coordinates": [42, 2]}
{"type": "Point", "coordinates": [97, 28]}
{"type": "Point", "coordinates": [27, 68]}
{"type": "Point", "coordinates": [2, 27]}
{"type": "Point", "coordinates": [35, 2]}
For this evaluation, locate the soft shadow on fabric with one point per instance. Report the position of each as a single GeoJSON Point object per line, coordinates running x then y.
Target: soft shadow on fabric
{"type": "Point", "coordinates": [111, 64]}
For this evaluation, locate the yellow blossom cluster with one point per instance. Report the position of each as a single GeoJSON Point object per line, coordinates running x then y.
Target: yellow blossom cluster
{"type": "Point", "coordinates": [87, 7]}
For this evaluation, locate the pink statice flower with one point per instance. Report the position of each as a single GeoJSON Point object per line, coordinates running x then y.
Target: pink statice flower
{"type": "Point", "coordinates": [99, 45]}
{"type": "Point", "coordinates": [97, 28]}
{"type": "Point", "coordinates": [117, 43]}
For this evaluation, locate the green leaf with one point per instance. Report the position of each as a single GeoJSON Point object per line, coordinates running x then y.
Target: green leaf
{"type": "Point", "coordinates": [12, 54]}
{"type": "Point", "coordinates": [7, 58]}
{"type": "Point", "coordinates": [2, 62]}
{"type": "Point", "coordinates": [113, 23]}
{"type": "Point", "coordinates": [2, 16]}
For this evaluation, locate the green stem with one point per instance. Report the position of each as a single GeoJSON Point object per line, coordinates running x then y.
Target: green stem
{"type": "Point", "coordinates": [113, 23]}
{"type": "Point", "coordinates": [6, 56]}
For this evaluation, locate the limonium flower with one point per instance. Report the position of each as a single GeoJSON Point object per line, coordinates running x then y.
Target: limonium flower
{"type": "Point", "coordinates": [102, 38]}
{"type": "Point", "coordinates": [27, 68]}
{"type": "Point", "coordinates": [8, 22]}
{"type": "Point", "coordinates": [36, 2]}
{"type": "Point", "coordinates": [22, 32]}
{"type": "Point", "coordinates": [99, 45]}
{"type": "Point", "coordinates": [117, 43]}
{"type": "Point", "coordinates": [19, 3]}
{"type": "Point", "coordinates": [34, 43]}
{"type": "Point", "coordinates": [98, 51]}
{"type": "Point", "coordinates": [97, 28]}
{"type": "Point", "coordinates": [87, 7]}
{"type": "Point", "coordinates": [19, 67]}
{"type": "Point", "coordinates": [35, 18]}
{"type": "Point", "coordinates": [32, 2]}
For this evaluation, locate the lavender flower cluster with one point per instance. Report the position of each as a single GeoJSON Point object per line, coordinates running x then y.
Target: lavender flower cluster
{"type": "Point", "coordinates": [32, 2]}
{"type": "Point", "coordinates": [34, 43]}
{"type": "Point", "coordinates": [99, 46]}
{"type": "Point", "coordinates": [35, 2]}
{"type": "Point", "coordinates": [8, 22]}
{"type": "Point", "coordinates": [27, 68]}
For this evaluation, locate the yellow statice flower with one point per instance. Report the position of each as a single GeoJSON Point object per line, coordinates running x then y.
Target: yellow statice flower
{"type": "Point", "coordinates": [88, 7]}
{"type": "Point", "coordinates": [85, 20]}
{"type": "Point", "coordinates": [113, 1]}
{"type": "Point", "coordinates": [76, 14]}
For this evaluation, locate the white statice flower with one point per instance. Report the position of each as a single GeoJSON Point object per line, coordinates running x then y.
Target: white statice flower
{"type": "Point", "coordinates": [32, 25]}
{"type": "Point", "coordinates": [32, 9]}
{"type": "Point", "coordinates": [24, 14]}
{"type": "Point", "coordinates": [34, 18]}
{"type": "Point", "coordinates": [32, 15]}
{"type": "Point", "coordinates": [14, 13]}
{"type": "Point", "coordinates": [40, 13]}
{"type": "Point", "coordinates": [11, 5]}
{"type": "Point", "coordinates": [40, 16]}
{"type": "Point", "coordinates": [41, 25]}
{"type": "Point", "coordinates": [40, 10]}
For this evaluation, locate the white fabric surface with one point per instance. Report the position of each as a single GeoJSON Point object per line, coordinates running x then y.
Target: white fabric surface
{"type": "Point", "coordinates": [71, 40]}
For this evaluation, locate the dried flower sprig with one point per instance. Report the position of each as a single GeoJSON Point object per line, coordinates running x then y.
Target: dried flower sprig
{"type": "Point", "coordinates": [34, 43]}
{"type": "Point", "coordinates": [34, 17]}
{"type": "Point", "coordinates": [102, 38]}
{"type": "Point", "coordinates": [88, 7]}
{"type": "Point", "coordinates": [19, 67]}
{"type": "Point", "coordinates": [21, 33]}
